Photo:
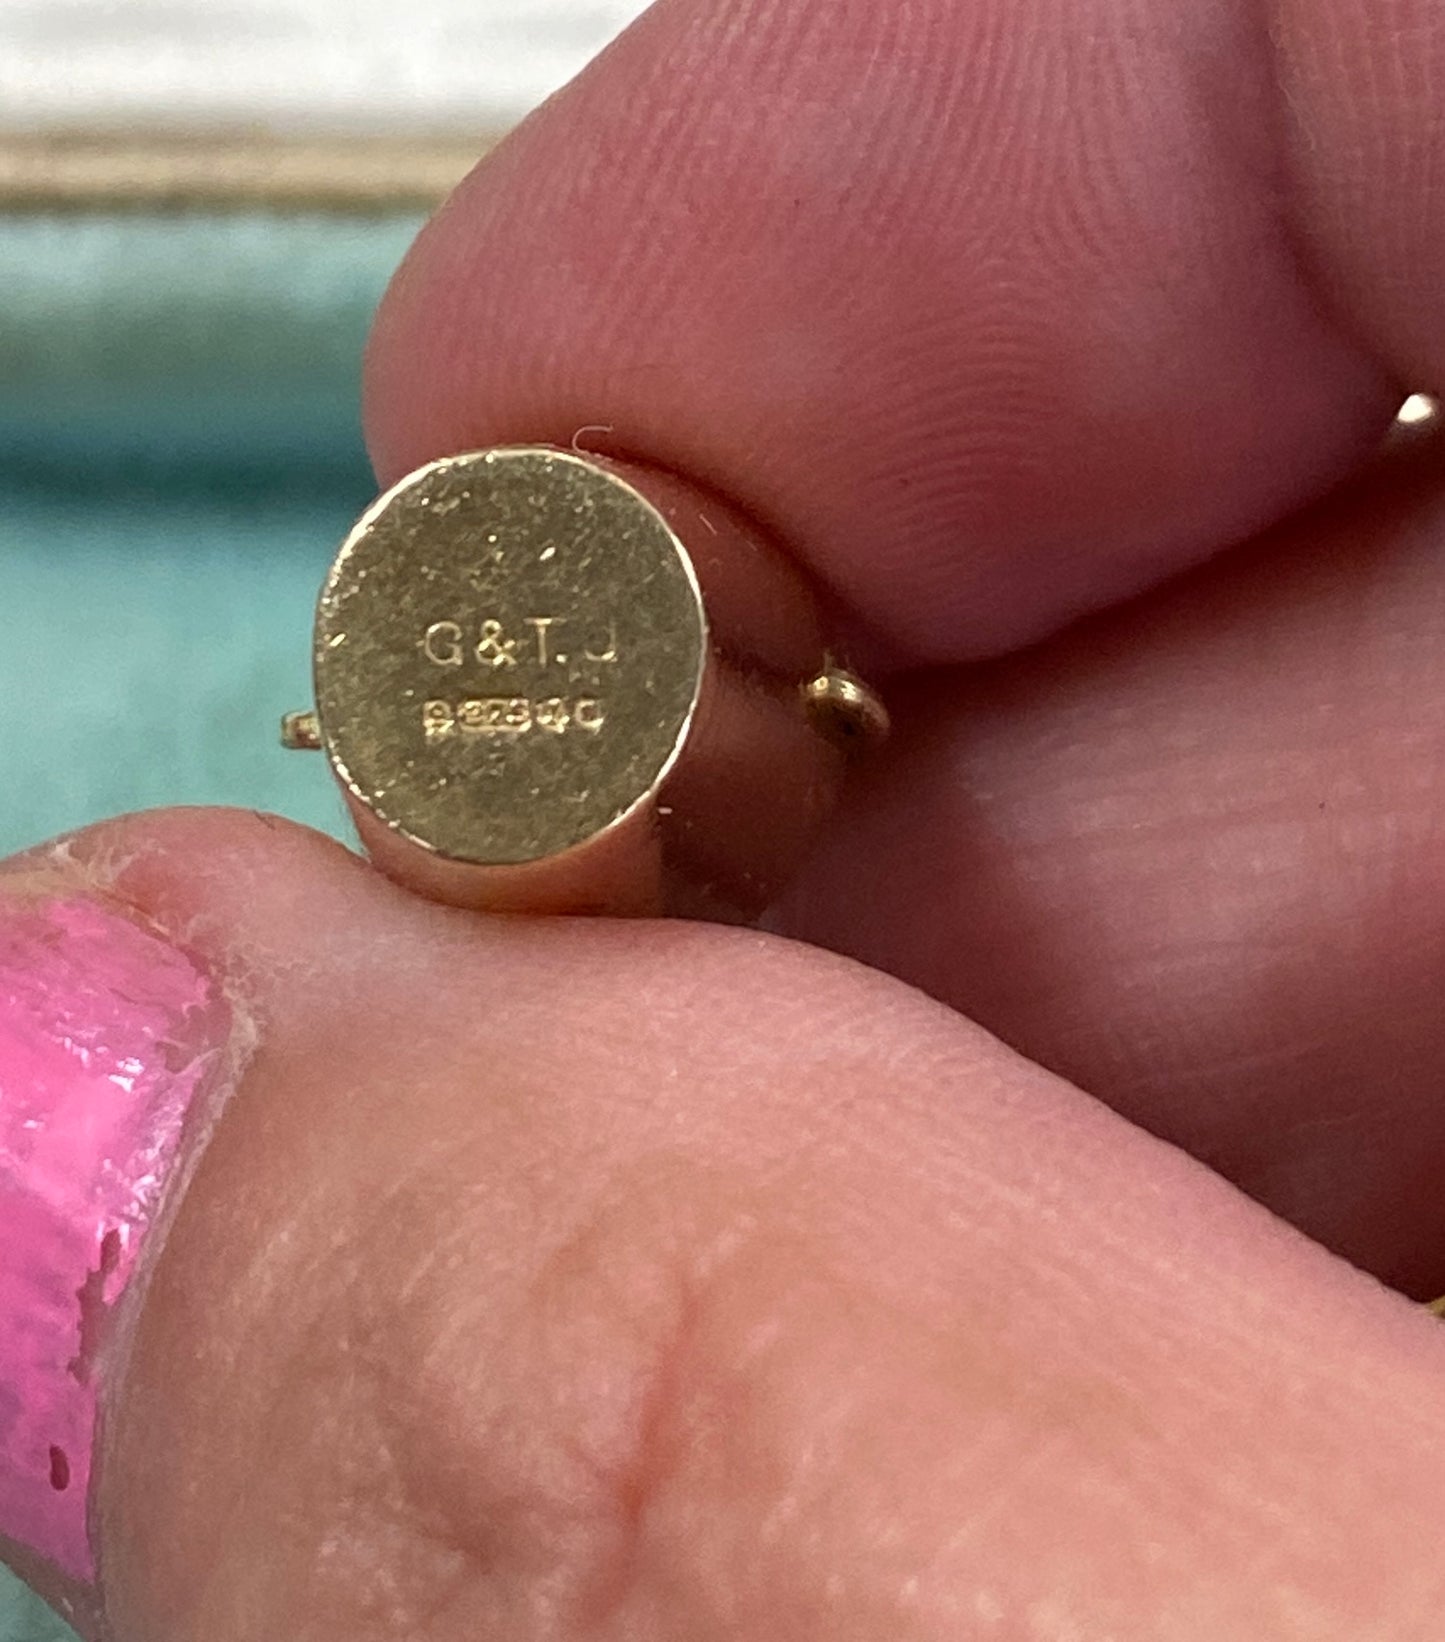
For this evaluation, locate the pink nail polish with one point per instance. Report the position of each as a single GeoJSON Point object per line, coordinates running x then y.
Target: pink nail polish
{"type": "Point", "coordinates": [107, 1034]}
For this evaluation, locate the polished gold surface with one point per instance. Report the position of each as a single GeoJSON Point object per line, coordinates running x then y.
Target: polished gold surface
{"type": "Point", "coordinates": [844, 708]}
{"type": "Point", "coordinates": [224, 171]}
{"type": "Point", "coordinates": [553, 683]}
{"type": "Point", "coordinates": [509, 652]}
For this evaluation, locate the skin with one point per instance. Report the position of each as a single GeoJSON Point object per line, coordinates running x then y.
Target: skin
{"type": "Point", "coordinates": [549, 1280]}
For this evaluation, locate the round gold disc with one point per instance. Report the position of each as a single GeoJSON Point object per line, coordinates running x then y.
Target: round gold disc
{"type": "Point", "coordinates": [509, 652]}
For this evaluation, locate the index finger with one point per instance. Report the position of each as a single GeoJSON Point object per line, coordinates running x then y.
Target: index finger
{"type": "Point", "coordinates": [994, 312]}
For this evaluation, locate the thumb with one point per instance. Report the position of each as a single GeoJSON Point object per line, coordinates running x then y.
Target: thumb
{"type": "Point", "coordinates": [547, 1281]}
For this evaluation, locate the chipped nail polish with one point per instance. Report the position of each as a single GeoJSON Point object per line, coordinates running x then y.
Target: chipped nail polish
{"type": "Point", "coordinates": [107, 1035]}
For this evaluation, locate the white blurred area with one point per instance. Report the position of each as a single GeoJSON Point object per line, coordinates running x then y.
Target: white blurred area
{"type": "Point", "coordinates": [306, 67]}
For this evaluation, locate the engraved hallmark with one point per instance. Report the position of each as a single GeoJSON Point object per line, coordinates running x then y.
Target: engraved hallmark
{"type": "Point", "coordinates": [511, 716]}
{"type": "Point", "coordinates": [452, 643]}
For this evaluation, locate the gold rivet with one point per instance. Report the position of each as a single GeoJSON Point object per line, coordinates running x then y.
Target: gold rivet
{"type": "Point", "coordinates": [301, 732]}
{"type": "Point", "coordinates": [845, 709]}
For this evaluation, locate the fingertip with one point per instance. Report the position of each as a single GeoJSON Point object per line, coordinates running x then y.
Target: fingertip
{"type": "Point", "coordinates": [983, 351]}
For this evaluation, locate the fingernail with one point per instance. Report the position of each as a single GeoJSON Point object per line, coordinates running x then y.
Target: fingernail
{"type": "Point", "coordinates": [107, 1035]}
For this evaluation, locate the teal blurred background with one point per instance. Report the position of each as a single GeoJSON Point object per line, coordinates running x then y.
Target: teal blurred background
{"type": "Point", "coordinates": [180, 454]}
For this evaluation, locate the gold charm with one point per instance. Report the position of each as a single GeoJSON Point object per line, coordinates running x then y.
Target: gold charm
{"type": "Point", "coordinates": [543, 689]}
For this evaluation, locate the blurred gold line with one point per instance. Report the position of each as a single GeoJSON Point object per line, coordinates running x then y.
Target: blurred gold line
{"type": "Point", "coordinates": [73, 172]}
